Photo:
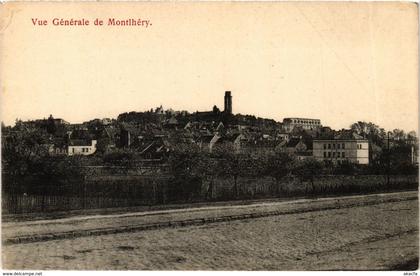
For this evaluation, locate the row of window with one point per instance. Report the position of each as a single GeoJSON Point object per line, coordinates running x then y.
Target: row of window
{"type": "Point", "coordinates": [333, 154]}
{"type": "Point", "coordinates": [334, 146]}
{"type": "Point", "coordinates": [339, 146]}
{"type": "Point", "coordinates": [83, 150]}
{"type": "Point", "coordinates": [305, 122]}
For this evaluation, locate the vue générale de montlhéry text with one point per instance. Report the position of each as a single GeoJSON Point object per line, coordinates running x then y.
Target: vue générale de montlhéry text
{"type": "Point", "coordinates": [96, 22]}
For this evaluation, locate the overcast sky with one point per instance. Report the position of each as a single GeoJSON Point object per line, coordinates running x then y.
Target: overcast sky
{"type": "Point", "coordinates": [339, 62]}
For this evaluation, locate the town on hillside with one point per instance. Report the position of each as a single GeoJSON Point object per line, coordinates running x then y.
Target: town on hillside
{"type": "Point", "coordinates": [209, 136]}
{"type": "Point", "coordinates": [156, 133]}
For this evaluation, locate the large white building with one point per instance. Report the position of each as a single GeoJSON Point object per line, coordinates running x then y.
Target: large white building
{"type": "Point", "coordinates": [81, 147]}
{"type": "Point", "coordinates": [307, 124]}
{"type": "Point", "coordinates": [344, 147]}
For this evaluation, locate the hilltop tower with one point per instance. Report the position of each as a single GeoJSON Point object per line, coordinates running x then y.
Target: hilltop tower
{"type": "Point", "coordinates": [228, 102]}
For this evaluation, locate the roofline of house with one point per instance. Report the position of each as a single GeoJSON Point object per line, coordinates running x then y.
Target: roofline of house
{"type": "Point", "coordinates": [363, 140]}
{"type": "Point", "coordinates": [301, 118]}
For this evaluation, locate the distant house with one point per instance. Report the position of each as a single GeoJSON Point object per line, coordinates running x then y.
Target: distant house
{"type": "Point", "coordinates": [206, 142]}
{"type": "Point", "coordinates": [107, 137]}
{"type": "Point", "coordinates": [188, 126]}
{"type": "Point", "coordinates": [256, 144]}
{"type": "Point", "coordinates": [81, 147]}
{"type": "Point", "coordinates": [325, 133]}
{"type": "Point", "coordinates": [230, 142]}
{"type": "Point", "coordinates": [130, 132]}
{"type": "Point", "coordinates": [155, 150]}
{"type": "Point", "coordinates": [58, 146]}
{"type": "Point", "coordinates": [346, 146]}
{"type": "Point", "coordinates": [172, 123]}
{"type": "Point", "coordinates": [51, 125]}
{"type": "Point", "coordinates": [301, 148]}
{"type": "Point", "coordinates": [295, 145]}
{"type": "Point", "coordinates": [56, 121]}
{"type": "Point", "coordinates": [220, 128]}
{"type": "Point", "coordinates": [179, 137]}
{"type": "Point", "coordinates": [59, 121]}
{"type": "Point", "coordinates": [106, 121]}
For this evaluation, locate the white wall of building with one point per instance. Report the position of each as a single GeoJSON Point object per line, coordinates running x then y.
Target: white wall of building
{"type": "Point", "coordinates": [355, 151]}
{"type": "Point", "coordinates": [82, 150]}
{"type": "Point", "coordinates": [307, 124]}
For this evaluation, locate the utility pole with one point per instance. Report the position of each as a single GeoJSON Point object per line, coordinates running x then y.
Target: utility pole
{"type": "Point", "coordinates": [389, 162]}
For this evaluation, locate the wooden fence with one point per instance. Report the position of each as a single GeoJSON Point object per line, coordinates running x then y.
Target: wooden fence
{"type": "Point", "coordinates": [124, 191]}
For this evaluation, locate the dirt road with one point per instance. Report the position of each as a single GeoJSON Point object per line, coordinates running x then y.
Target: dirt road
{"type": "Point", "coordinates": [362, 232]}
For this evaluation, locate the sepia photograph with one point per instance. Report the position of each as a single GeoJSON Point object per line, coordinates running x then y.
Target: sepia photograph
{"type": "Point", "coordinates": [209, 136]}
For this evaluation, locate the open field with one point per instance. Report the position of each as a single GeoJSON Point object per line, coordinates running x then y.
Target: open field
{"type": "Point", "coordinates": [381, 234]}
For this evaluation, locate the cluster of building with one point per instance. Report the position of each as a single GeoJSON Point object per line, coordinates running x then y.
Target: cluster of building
{"type": "Point", "coordinates": [155, 133]}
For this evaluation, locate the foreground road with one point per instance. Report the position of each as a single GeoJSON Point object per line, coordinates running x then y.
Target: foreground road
{"type": "Point", "coordinates": [378, 235]}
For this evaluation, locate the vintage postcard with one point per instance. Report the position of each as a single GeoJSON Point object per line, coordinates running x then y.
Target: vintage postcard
{"type": "Point", "coordinates": [270, 136]}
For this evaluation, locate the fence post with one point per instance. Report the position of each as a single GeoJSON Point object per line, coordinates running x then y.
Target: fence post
{"type": "Point", "coordinates": [154, 192]}
{"type": "Point", "coordinates": [84, 192]}
{"type": "Point", "coordinates": [43, 190]}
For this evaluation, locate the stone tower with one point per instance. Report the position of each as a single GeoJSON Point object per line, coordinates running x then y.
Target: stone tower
{"type": "Point", "coordinates": [228, 102]}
